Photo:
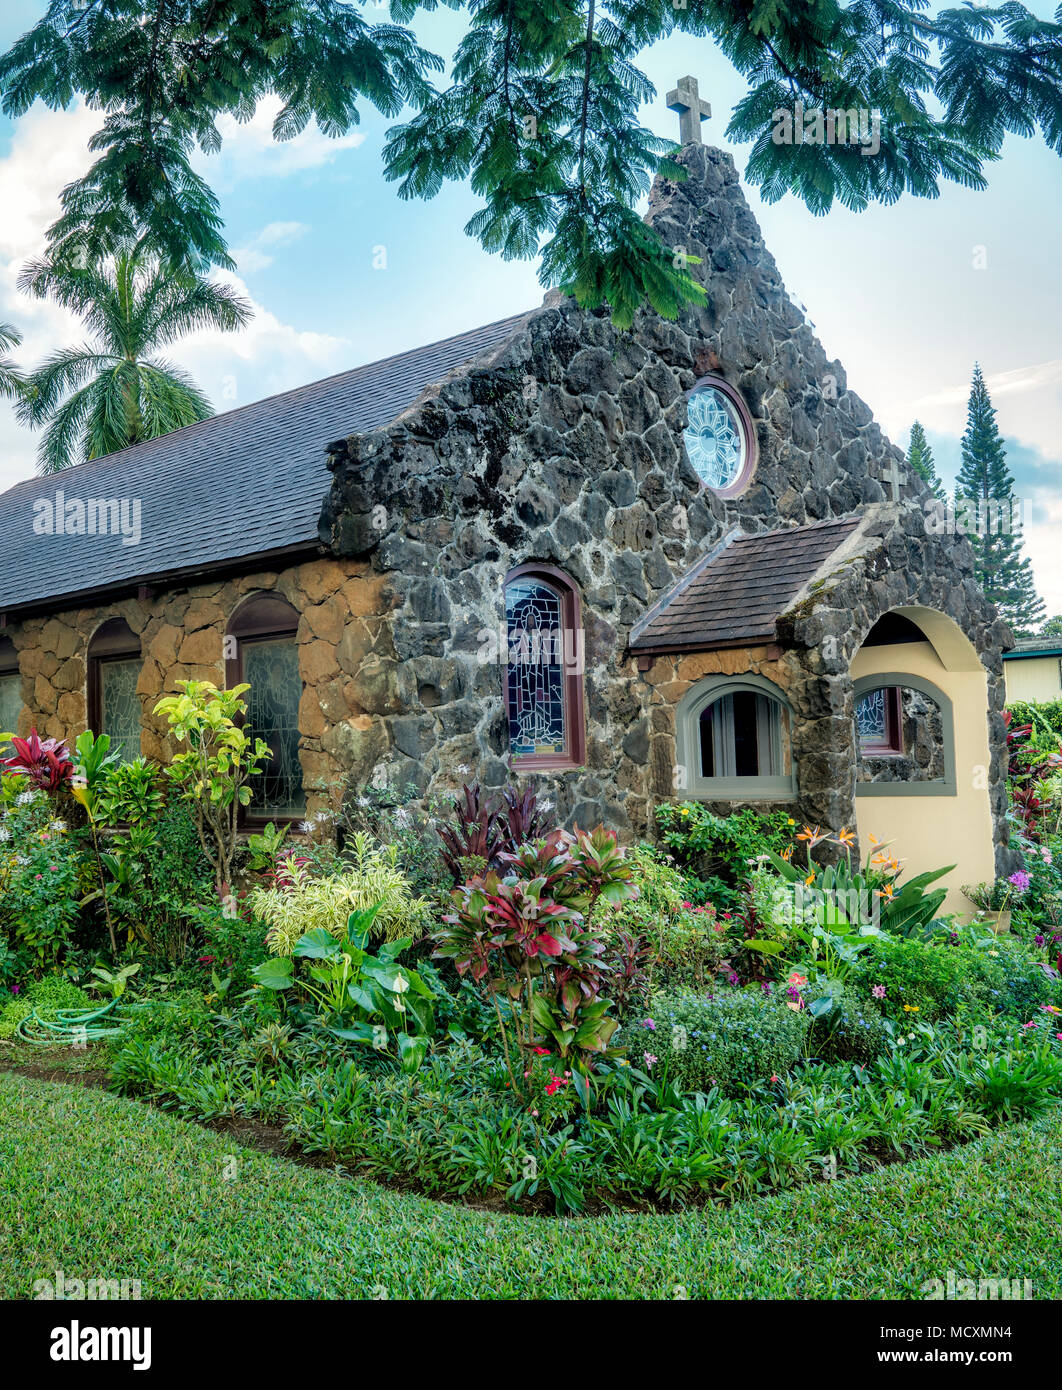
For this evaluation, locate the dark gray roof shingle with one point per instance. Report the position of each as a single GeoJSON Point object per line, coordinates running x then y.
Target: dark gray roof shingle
{"type": "Point", "coordinates": [737, 592]}
{"type": "Point", "coordinates": [246, 481]}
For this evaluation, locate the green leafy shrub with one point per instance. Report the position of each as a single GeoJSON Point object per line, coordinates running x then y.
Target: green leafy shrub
{"type": "Point", "coordinates": [47, 996]}
{"type": "Point", "coordinates": [848, 1028]}
{"type": "Point", "coordinates": [932, 978]}
{"type": "Point", "coordinates": [389, 816]}
{"type": "Point", "coordinates": [683, 940]}
{"type": "Point", "coordinates": [730, 1040]}
{"type": "Point", "coordinates": [721, 846]}
{"type": "Point", "coordinates": [308, 901]}
{"type": "Point", "coordinates": [918, 976]}
{"type": "Point", "coordinates": [1010, 982]}
{"type": "Point", "coordinates": [40, 862]}
{"type": "Point", "coordinates": [363, 998]}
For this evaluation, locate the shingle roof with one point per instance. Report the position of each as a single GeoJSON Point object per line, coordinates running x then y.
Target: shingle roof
{"type": "Point", "coordinates": [736, 593]}
{"type": "Point", "coordinates": [243, 482]}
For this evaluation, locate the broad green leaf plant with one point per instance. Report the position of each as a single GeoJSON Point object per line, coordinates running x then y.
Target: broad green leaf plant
{"type": "Point", "coordinates": [363, 998]}
{"type": "Point", "coordinates": [215, 765]}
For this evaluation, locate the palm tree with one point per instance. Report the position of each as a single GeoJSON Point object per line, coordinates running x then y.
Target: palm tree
{"type": "Point", "coordinates": [107, 394]}
{"type": "Point", "coordinates": [12, 382]}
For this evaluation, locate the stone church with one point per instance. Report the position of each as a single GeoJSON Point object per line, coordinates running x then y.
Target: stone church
{"type": "Point", "coordinates": [680, 560]}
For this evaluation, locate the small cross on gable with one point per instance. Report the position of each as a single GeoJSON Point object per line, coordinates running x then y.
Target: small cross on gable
{"type": "Point", "coordinates": [692, 110]}
{"type": "Point", "coordinates": [896, 478]}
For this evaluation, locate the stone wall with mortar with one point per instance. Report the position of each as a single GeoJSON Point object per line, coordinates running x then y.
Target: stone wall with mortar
{"type": "Point", "coordinates": [343, 641]}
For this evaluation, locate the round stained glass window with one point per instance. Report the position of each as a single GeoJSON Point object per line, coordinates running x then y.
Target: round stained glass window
{"type": "Point", "coordinates": [717, 438]}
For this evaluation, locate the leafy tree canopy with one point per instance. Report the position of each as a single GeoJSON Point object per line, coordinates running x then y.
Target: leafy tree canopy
{"type": "Point", "coordinates": [540, 111]}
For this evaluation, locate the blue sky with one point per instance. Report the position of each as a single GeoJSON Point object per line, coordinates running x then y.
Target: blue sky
{"type": "Point", "coordinates": [342, 271]}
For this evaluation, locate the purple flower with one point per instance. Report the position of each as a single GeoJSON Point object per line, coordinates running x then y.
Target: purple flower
{"type": "Point", "coordinates": [1020, 880]}
{"type": "Point", "coordinates": [733, 978]}
{"type": "Point", "coordinates": [1039, 939]}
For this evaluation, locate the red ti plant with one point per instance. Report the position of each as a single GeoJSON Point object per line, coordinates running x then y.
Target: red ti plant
{"type": "Point", "coordinates": [525, 937]}
{"type": "Point", "coordinates": [524, 817]}
{"type": "Point", "coordinates": [1027, 776]}
{"type": "Point", "coordinates": [45, 762]}
{"type": "Point", "coordinates": [486, 831]}
{"type": "Point", "coordinates": [476, 835]}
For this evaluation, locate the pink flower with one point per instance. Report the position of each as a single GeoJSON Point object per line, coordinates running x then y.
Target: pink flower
{"type": "Point", "coordinates": [878, 991]}
{"type": "Point", "coordinates": [649, 1024]}
{"type": "Point", "coordinates": [650, 1059]}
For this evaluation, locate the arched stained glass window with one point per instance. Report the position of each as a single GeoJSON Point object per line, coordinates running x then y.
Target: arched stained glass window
{"type": "Point", "coordinates": [544, 670]}
{"type": "Point", "coordinates": [268, 659]}
{"type": "Point", "coordinates": [719, 438]}
{"type": "Point", "coordinates": [115, 709]}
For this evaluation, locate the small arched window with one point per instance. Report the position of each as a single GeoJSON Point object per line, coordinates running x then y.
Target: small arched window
{"type": "Point", "coordinates": [720, 437]}
{"type": "Point", "coordinates": [114, 707]}
{"type": "Point", "coordinates": [905, 737]}
{"type": "Point", "coordinates": [544, 668]}
{"type": "Point", "coordinates": [10, 687]}
{"type": "Point", "coordinates": [263, 653]}
{"type": "Point", "coordinates": [733, 741]}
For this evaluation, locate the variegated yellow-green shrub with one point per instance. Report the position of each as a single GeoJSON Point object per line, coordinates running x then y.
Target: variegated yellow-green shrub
{"type": "Point", "coordinates": [312, 901]}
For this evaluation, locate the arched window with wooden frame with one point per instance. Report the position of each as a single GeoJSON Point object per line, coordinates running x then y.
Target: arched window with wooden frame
{"type": "Point", "coordinates": [114, 707]}
{"type": "Point", "coordinates": [544, 669]}
{"type": "Point", "coordinates": [10, 687]}
{"type": "Point", "coordinates": [262, 652]}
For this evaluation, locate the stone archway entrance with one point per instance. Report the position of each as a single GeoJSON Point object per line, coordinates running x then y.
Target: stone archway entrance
{"type": "Point", "coordinates": [925, 786]}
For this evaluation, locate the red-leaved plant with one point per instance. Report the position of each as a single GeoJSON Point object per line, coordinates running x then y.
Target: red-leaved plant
{"type": "Point", "coordinates": [483, 830]}
{"type": "Point", "coordinates": [44, 762]}
{"type": "Point", "coordinates": [524, 937]}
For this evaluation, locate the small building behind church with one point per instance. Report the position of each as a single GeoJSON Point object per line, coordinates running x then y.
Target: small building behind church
{"type": "Point", "coordinates": [1033, 670]}
{"type": "Point", "coordinates": [680, 560]}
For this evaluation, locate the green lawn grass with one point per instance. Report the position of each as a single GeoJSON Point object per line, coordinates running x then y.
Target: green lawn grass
{"type": "Point", "coordinates": [106, 1188]}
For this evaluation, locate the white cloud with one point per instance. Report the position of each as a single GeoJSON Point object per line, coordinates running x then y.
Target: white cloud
{"type": "Point", "coordinates": [1027, 401]}
{"type": "Point", "coordinates": [50, 148]}
{"type": "Point", "coordinates": [255, 255]}
{"type": "Point", "coordinates": [248, 150]}
{"type": "Point", "coordinates": [265, 357]}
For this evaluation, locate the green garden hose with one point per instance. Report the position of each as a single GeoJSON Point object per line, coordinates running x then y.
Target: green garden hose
{"type": "Point", "coordinates": [68, 1026]}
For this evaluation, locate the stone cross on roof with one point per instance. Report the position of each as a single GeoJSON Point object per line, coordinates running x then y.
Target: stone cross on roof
{"type": "Point", "coordinates": [896, 477]}
{"type": "Point", "coordinates": [692, 110]}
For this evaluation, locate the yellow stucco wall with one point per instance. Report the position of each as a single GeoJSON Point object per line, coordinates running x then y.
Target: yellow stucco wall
{"type": "Point", "coordinates": [1033, 678]}
{"type": "Point", "coordinates": [926, 831]}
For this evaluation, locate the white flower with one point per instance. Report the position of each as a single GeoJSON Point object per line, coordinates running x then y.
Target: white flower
{"type": "Point", "coordinates": [5, 834]}
{"type": "Point", "coordinates": [401, 815]}
{"type": "Point", "coordinates": [363, 801]}
{"type": "Point", "coordinates": [58, 826]}
{"type": "Point", "coordinates": [24, 798]}
{"type": "Point", "coordinates": [545, 805]}
{"type": "Point", "coordinates": [464, 769]}
{"type": "Point", "coordinates": [305, 828]}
